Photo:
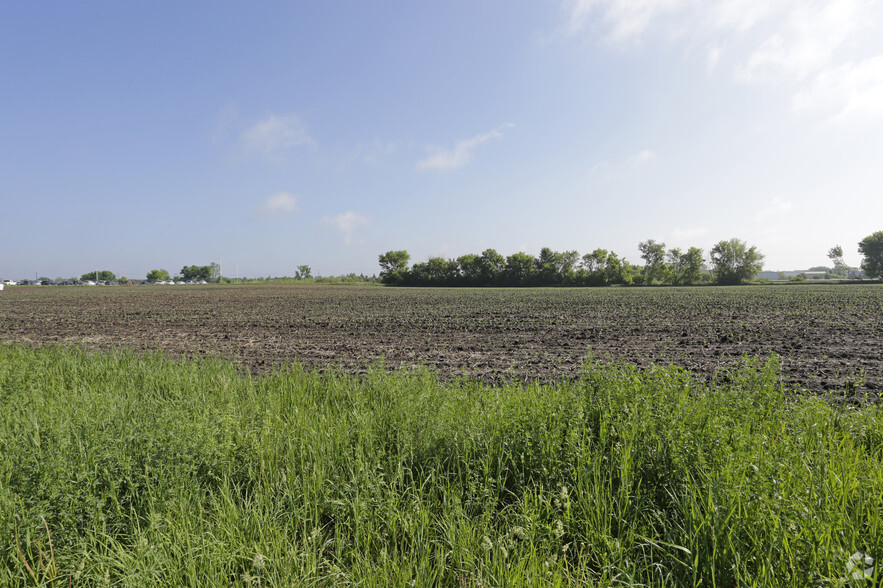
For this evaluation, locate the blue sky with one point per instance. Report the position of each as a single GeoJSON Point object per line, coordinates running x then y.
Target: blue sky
{"type": "Point", "coordinates": [268, 135]}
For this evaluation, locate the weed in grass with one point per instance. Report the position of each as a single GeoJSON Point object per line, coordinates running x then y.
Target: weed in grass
{"type": "Point", "coordinates": [154, 473]}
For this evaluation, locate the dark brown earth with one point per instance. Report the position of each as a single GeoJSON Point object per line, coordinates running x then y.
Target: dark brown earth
{"type": "Point", "coordinates": [827, 336]}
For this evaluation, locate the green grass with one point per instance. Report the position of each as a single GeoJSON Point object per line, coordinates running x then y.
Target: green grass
{"type": "Point", "coordinates": [149, 472]}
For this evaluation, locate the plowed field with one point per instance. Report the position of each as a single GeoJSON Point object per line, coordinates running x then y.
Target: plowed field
{"type": "Point", "coordinates": [828, 337]}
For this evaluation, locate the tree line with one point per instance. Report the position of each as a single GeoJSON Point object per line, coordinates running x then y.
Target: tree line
{"type": "Point", "coordinates": [732, 262]}
{"type": "Point", "coordinates": [205, 273]}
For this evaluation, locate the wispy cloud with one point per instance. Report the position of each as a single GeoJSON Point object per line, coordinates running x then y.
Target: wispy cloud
{"type": "Point", "coordinates": [371, 153]}
{"type": "Point", "coordinates": [459, 155]}
{"type": "Point", "coordinates": [601, 166]}
{"type": "Point", "coordinates": [806, 40]}
{"type": "Point", "coordinates": [618, 19]}
{"type": "Point", "coordinates": [777, 207]}
{"type": "Point", "coordinates": [377, 151]}
{"type": "Point", "coordinates": [712, 57]}
{"type": "Point", "coordinates": [852, 91]}
{"type": "Point", "coordinates": [642, 157]}
{"type": "Point", "coordinates": [346, 223]}
{"type": "Point", "coordinates": [278, 204]}
{"type": "Point", "coordinates": [614, 168]}
{"type": "Point", "coordinates": [274, 134]}
{"type": "Point", "coordinates": [810, 45]}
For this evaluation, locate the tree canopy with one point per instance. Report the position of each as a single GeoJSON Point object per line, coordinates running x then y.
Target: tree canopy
{"type": "Point", "coordinates": [490, 268]}
{"type": "Point", "coordinates": [208, 273]}
{"type": "Point", "coordinates": [734, 262]}
{"type": "Point", "coordinates": [653, 254]}
{"type": "Point", "coordinates": [158, 275]}
{"type": "Point", "coordinates": [103, 276]}
{"type": "Point", "coordinates": [393, 266]}
{"type": "Point", "coordinates": [835, 254]}
{"type": "Point", "coordinates": [871, 248]}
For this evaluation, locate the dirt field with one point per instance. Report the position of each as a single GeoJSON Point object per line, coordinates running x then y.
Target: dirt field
{"type": "Point", "coordinates": [829, 337]}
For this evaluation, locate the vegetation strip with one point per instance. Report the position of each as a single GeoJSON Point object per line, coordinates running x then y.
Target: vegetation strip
{"type": "Point", "coordinates": [153, 472]}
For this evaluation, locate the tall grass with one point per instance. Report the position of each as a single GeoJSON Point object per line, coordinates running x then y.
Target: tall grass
{"type": "Point", "coordinates": [150, 472]}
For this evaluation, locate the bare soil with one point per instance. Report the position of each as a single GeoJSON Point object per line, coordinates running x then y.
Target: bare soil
{"type": "Point", "coordinates": [827, 336]}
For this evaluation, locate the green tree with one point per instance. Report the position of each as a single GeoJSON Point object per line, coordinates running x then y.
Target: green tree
{"type": "Point", "coordinates": [734, 262]}
{"type": "Point", "coordinates": [871, 248]}
{"type": "Point", "coordinates": [470, 269]}
{"type": "Point", "coordinates": [691, 264]}
{"type": "Point", "coordinates": [595, 266]}
{"type": "Point", "coordinates": [618, 271]}
{"type": "Point", "coordinates": [197, 272]}
{"type": "Point", "coordinates": [442, 272]}
{"type": "Point", "coordinates": [569, 261]}
{"type": "Point", "coordinates": [653, 254]}
{"type": "Point", "coordinates": [493, 266]}
{"type": "Point", "coordinates": [673, 269]}
{"type": "Point", "coordinates": [418, 275]}
{"type": "Point", "coordinates": [520, 268]}
{"type": "Point", "coordinates": [158, 275]}
{"type": "Point", "coordinates": [835, 254]}
{"type": "Point", "coordinates": [684, 267]}
{"type": "Point", "coordinates": [393, 266]}
{"type": "Point", "coordinates": [304, 272]}
{"type": "Point", "coordinates": [555, 267]}
{"type": "Point", "coordinates": [104, 276]}
{"type": "Point", "coordinates": [595, 261]}
{"type": "Point", "coordinates": [546, 266]}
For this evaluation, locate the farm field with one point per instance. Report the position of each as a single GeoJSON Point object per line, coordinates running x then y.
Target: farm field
{"type": "Point", "coordinates": [124, 467]}
{"type": "Point", "coordinates": [827, 336]}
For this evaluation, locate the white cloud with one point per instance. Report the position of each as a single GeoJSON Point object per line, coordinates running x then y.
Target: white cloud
{"type": "Point", "coordinates": [804, 25]}
{"type": "Point", "coordinates": [852, 91]}
{"type": "Point", "coordinates": [806, 42]}
{"type": "Point", "coordinates": [370, 153]}
{"type": "Point", "coordinates": [461, 153]}
{"type": "Point", "coordinates": [775, 208]}
{"type": "Point", "coordinates": [601, 166]}
{"type": "Point", "coordinates": [807, 45]}
{"type": "Point", "coordinates": [629, 19]}
{"type": "Point", "coordinates": [278, 204]}
{"type": "Point", "coordinates": [642, 157]}
{"type": "Point", "coordinates": [712, 57]}
{"type": "Point", "coordinates": [274, 134]}
{"type": "Point", "coordinates": [346, 223]}
{"type": "Point", "coordinates": [608, 168]}
{"type": "Point", "coordinates": [623, 19]}
{"type": "Point", "coordinates": [737, 15]}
